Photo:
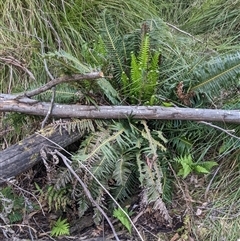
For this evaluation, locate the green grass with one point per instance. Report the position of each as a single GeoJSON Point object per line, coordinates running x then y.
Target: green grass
{"type": "Point", "coordinates": [221, 219]}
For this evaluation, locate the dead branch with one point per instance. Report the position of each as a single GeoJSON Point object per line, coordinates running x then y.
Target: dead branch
{"type": "Point", "coordinates": [8, 103]}
{"type": "Point", "coordinates": [62, 79]}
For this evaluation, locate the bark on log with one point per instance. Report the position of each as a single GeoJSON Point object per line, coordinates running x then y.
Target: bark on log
{"type": "Point", "coordinates": [23, 155]}
{"type": "Point", "coordinates": [33, 107]}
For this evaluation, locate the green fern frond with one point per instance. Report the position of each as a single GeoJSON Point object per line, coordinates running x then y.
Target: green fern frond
{"type": "Point", "coordinates": [144, 53]}
{"type": "Point", "coordinates": [65, 93]}
{"type": "Point", "coordinates": [112, 42]}
{"type": "Point", "coordinates": [218, 73]}
{"type": "Point", "coordinates": [61, 227]}
{"type": "Point", "coordinates": [69, 61]}
{"type": "Point", "coordinates": [136, 76]}
{"type": "Point", "coordinates": [124, 191]}
{"type": "Point", "coordinates": [15, 216]}
{"type": "Point", "coordinates": [57, 199]}
{"type": "Point", "coordinates": [122, 171]}
{"type": "Point", "coordinates": [153, 73]}
{"type": "Point", "coordinates": [109, 91]}
{"type": "Point", "coordinates": [125, 83]}
{"type": "Point", "coordinates": [136, 79]}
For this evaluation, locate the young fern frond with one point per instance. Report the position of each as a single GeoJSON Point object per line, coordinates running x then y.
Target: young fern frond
{"type": "Point", "coordinates": [144, 53]}
{"type": "Point", "coordinates": [153, 73]}
{"type": "Point", "coordinates": [136, 78]}
{"type": "Point", "coordinates": [219, 73]}
{"type": "Point", "coordinates": [143, 77]}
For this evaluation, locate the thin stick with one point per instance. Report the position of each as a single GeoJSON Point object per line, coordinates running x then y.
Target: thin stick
{"type": "Point", "coordinates": [53, 88]}
{"type": "Point", "coordinates": [66, 160]}
{"type": "Point", "coordinates": [184, 32]}
{"type": "Point", "coordinates": [219, 128]}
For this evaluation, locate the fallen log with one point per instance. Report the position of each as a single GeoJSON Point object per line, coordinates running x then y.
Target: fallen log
{"type": "Point", "coordinates": [20, 157]}
{"type": "Point", "coordinates": [8, 103]}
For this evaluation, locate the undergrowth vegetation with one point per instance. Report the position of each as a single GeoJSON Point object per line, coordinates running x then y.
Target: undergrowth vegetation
{"type": "Point", "coordinates": [151, 53]}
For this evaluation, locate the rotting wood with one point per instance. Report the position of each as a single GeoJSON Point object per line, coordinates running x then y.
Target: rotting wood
{"type": "Point", "coordinates": [20, 157]}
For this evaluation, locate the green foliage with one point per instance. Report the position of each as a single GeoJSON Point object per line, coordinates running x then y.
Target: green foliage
{"type": "Point", "coordinates": [188, 166]}
{"type": "Point", "coordinates": [20, 125]}
{"type": "Point", "coordinates": [57, 199]}
{"type": "Point", "coordinates": [141, 85]}
{"type": "Point", "coordinates": [68, 62]}
{"type": "Point", "coordinates": [122, 157]}
{"type": "Point", "coordinates": [61, 227]}
{"type": "Point", "coordinates": [217, 74]}
{"type": "Point", "coordinates": [144, 66]}
{"type": "Point", "coordinates": [113, 44]}
{"type": "Point", "coordinates": [11, 205]}
{"type": "Point", "coordinates": [108, 90]}
{"type": "Point", "coordinates": [121, 216]}
{"type": "Point", "coordinates": [211, 17]}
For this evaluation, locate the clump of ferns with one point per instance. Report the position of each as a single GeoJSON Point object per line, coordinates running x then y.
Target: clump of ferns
{"type": "Point", "coordinates": [133, 60]}
{"type": "Point", "coordinates": [122, 158]}
{"type": "Point", "coordinates": [140, 84]}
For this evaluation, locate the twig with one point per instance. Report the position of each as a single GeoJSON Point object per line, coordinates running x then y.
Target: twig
{"type": "Point", "coordinates": [221, 129]}
{"type": "Point", "coordinates": [184, 32]}
{"type": "Point", "coordinates": [50, 108]}
{"type": "Point", "coordinates": [17, 225]}
{"type": "Point", "coordinates": [66, 160]}
{"type": "Point", "coordinates": [210, 183]}
{"type": "Point", "coordinates": [53, 88]}
{"type": "Point", "coordinates": [15, 62]}
{"type": "Point", "coordinates": [62, 79]}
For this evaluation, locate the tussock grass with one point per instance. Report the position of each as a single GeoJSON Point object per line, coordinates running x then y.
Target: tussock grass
{"type": "Point", "coordinates": [222, 214]}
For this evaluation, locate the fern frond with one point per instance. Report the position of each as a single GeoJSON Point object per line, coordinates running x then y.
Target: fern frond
{"type": "Point", "coordinates": [125, 83]}
{"type": "Point", "coordinates": [61, 227]}
{"type": "Point", "coordinates": [122, 171]}
{"type": "Point", "coordinates": [153, 143]}
{"type": "Point", "coordinates": [63, 178]}
{"type": "Point", "coordinates": [128, 187]}
{"type": "Point", "coordinates": [112, 42]}
{"type": "Point", "coordinates": [136, 79]}
{"type": "Point", "coordinates": [82, 126]}
{"type": "Point", "coordinates": [144, 53]}
{"type": "Point", "coordinates": [69, 61]}
{"type": "Point", "coordinates": [136, 72]}
{"type": "Point", "coordinates": [218, 73]}
{"type": "Point", "coordinates": [153, 73]}
{"type": "Point", "coordinates": [109, 91]}
{"type": "Point", "coordinates": [57, 199]}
